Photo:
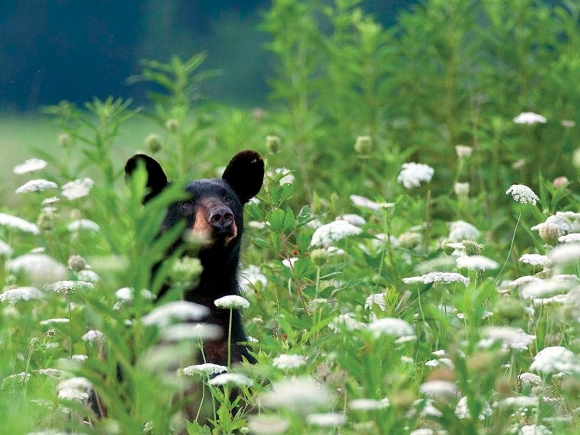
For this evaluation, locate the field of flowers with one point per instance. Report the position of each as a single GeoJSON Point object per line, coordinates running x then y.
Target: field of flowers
{"type": "Point", "coordinates": [411, 265]}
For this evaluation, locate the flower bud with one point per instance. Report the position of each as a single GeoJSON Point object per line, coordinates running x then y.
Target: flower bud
{"type": "Point", "coordinates": [363, 145]}
{"type": "Point", "coordinates": [153, 143]}
{"type": "Point", "coordinates": [549, 233]}
{"type": "Point", "coordinates": [185, 271]}
{"type": "Point", "coordinates": [471, 248]}
{"type": "Point", "coordinates": [510, 309]}
{"type": "Point", "coordinates": [64, 140]}
{"type": "Point", "coordinates": [410, 240]}
{"type": "Point", "coordinates": [461, 189]}
{"type": "Point", "coordinates": [273, 143]}
{"type": "Point", "coordinates": [77, 263]}
{"type": "Point", "coordinates": [463, 151]}
{"type": "Point", "coordinates": [172, 125]}
{"type": "Point", "coordinates": [560, 182]}
{"type": "Point", "coordinates": [47, 219]}
{"type": "Point", "coordinates": [319, 256]}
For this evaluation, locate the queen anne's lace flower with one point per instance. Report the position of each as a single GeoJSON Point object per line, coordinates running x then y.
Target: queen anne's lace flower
{"type": "Point", "coordinates": [565, 254]}
{"type": "Point", "coordinates": [298, 394]}
{"type": "Point", "coordinates": [326, 235]}
{"type": "Point", "coordinates": [361, 201]}
{"type": "Point", "coordinates": [522, 194]}
{"type": "Point", "coordinates": [413, 174]}
{"type": "Point", "coordinates": [231, 379]}
{"type": "Point", "coordinates": [231, 302]}
{"type": "Point", "coordinates": [39, 185]}
{"type": "Point", "coordinates": [570, 238]}
{"type": "Point", "coordinates": [287, 362]}
{"type": "Point", "coordinates": [83, 224]}
{"type": "Point", "coordinates": [20, 294]}
{"type": "Point", "coordinates": [439, 388]}
{"type": "Point", "coordinates": [391, 326]}
{"type": "Point", "coordinates": [177, 311]}
{"type": "Point", "coordinates": [511, 338]}
{"type": "Point", "coordinates": [476, 262]}
{"type": "Point", "coordinates": [17, 223]}
{"type": "Point", "coordinates": [331, 419]}
{"type": "Point", "coordinates": [39, 269]}
{"type": "Point", "coordinates": [347, 322]}
{"type": "Point", "coordinates": [555, 359]}
{"type": "Point", "coordinates": [529, 118]}
{"type": "Point", "coordinates": [536, 260]}
{"type": "Point", "coordinates": [77, 188]}
{"type": "Point", "coordinates": [460, 230]}
{"type": "Point", "coordinates": [433, 277]}
{"type": "Point", "coordinates": [30, 165]}
{"type": "Point", "coordinates": [207, 369]}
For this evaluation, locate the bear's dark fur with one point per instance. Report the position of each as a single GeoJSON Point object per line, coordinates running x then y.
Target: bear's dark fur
{"type": "Point", "coordinates": [213, 211]}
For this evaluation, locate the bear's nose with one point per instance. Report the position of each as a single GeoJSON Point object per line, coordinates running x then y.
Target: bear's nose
{"type": "Point", "coordinates": [221, 218]}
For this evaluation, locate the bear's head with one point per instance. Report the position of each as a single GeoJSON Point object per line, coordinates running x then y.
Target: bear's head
{"type": "Point", "coordinates": [213, 210]}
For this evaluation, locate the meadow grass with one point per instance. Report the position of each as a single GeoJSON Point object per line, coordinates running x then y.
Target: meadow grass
{"type": "Point", "coordinates": [411, 263]}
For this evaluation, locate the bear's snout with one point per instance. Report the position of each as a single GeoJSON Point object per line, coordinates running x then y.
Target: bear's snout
{"type": "Point", "coordinates": [221, 218]}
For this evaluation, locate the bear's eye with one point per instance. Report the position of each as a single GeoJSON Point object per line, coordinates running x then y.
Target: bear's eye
{"type": "Point", "coordinates": [228, 199]}
{"type": "Point", "coordinates": [186, 207]}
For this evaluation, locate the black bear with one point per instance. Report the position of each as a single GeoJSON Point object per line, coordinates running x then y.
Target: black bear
{"type": "Point", "coordinates": [213, 211]}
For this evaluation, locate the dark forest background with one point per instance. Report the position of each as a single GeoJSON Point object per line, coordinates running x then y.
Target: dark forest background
{"type": "Point", "coordinates": [52, 50]}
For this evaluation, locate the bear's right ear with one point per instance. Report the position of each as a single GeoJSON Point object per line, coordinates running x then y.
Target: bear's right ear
{"type": "Point", "coordinates": [156, 178]}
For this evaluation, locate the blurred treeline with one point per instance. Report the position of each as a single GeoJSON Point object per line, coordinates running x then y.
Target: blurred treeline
{"type": "Point", "coordinates": [52, 50]}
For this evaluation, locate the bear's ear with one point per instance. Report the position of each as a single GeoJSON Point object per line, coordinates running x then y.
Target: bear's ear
{"type": "Point", "coordinates": [156, 178]}
{"type": "Point", "coordinates": [245, 174]}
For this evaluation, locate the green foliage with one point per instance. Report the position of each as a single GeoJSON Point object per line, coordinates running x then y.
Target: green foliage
{"type": "Point", "coordinates": [361, 275]}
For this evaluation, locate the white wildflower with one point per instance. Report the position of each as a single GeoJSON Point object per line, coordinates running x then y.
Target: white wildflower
{"type": "Point", "coordinates": [510, 338]}
{"type": "Point", "coordinates": [93, 335]}
{"type": "Point", "coordinates": [345, 322]}
{"type": "Point", "coordinates": [377, 299]}
{"type": "Point", "coordinates": [560, 222]}
{"type": "Point", "coordinates": [568, 123]}
{"type": "Point", "coordinates": [519, 402]}
{"type": "Point", "coordinates": [268, 425]}
{"type": "Point", "coordinates": [77, 188]}
{"type": "Point", "coordinates": [191, 332]}
{"type": "Point", "coordinates": [570, 238]}
{"type": "Point", "coordinates": [252, 277]}
{"type": "Point", "coordinates": [79, 357]}
{"type": "Point", "coordinates": [289, 262]}
{"type": "Point", "coordinates": [52, 373]}
{"type": "Point", "coordinates": [412, 174]}
{"type": "Point", "coordinates": [565, 254]}
{"type": "Point", "coordinates": [461, 189]}
{"type": "Point", "coordinates": [529, 379]}
{"type": "Point", "coordinates": [20, 294]}
{"type": "Point", "coordinates": [529, 118]}
{"type": "Point", "coordinates": [231, 302]}
{"type": "Point", "coordinates": [439, 389]}
{"type": "Point", "coordinates": [361, 201]}
{"type": "Point", "coordinates": [545, 288]}
{"type": "Point", "coordinates": [67, 286]}
{"type": "Point", "coordinates": [434, 277]}
{"type": "Point", "coordinates": [39, 269]}
{"type": "Point", "coordinates": [297, 394]}
{"type": "Point", "coordinates": [236, 379]}
{"type": "Point", "coordinates": [50, 200]}
{"type": "Point", "coordinates": [368, 404]}
{"type": "Point", "coordinates": [17, 223]}
{"type": "Point", "coordinates": [72, 395]}
{"type": "Point", "coordinates": [536, 260]}
{"type": "Point", "coordinates": [87, 275]}
{"type": "Point", "coordinates": [38, 185]}
{"type": "Point", "coordinates": [15, 380]}
{"type": "Point", "coordinates": [83, 224]}
{"type": "Point", "coordinates": [522, 194]}
{"type": "Point", "coordinates": [354, 219]}
{"type": "Point", "coordinates": [460, 230]}
{"type": "Point", "coordinates": [330, 419]}
{"type": "Point", "coordinates": [462, 411]}
{"type": "Point", "coordinates": [30, 165]}
{"type": "Point", "coordinates": [476, 262]}
{"type": "Point", "coordinates": [463, 151]}
{"type": "Point", "coordinates": [391, 326]}
{"type": "Point", "coordinates": [535, 429]}
{"type": "Point", "coordinates": [204, 370]}
{"type": "Point", "coordinates": [57, 320]}
{"type": "Point", "coordinates": [326, 235]}
{"type": "Point", "coordinates": [523, 280]}
{"type": "Point", "coordinates": [177, 311]}
{"type": "Point", "coordinates": [555, 359]}
{"type": "Point", "coordinates": [77, 383]}
{"type": "Point", "coordinates": [288, 362]}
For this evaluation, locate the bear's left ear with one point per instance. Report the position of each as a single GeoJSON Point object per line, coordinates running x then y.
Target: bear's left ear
{"type": "Point", "coordinates": [245, 174]}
